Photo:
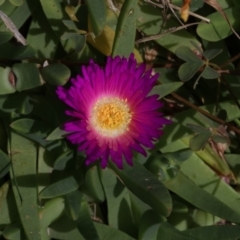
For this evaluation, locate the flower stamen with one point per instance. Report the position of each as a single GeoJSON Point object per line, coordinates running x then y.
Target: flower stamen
{"type": "Point", "coordinates": [111, 116]}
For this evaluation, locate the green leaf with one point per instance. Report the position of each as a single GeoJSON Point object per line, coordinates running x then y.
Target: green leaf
{"type": "Point", "coordinates": [93, 184]}
{"type": "Point", "coordinates": [227, 232]}
{"type": "Point", "coordinates": [21, 13]}
{"type": "Point", "coordinates": [65, 230]}
{"type": "Point", "coordinates": [57, 133]}
{"type": "Point", "coordinates": [167, 232]}
{"type": "Point", "coordinates": [4, 164]}
{"type": "Point", "coordinates": [13, 231]}
{"type": "Point", "coordinates": [73, 202]}
{"type": "Point", "coordinates": [85, 224]}
{"type": "Point", "coordinates": [203, 176]}
{"type": "Point", "coordinates": [78, 39]}
{"type": "Point", "coordinates": [200, 198]}
{"type": "Point", "coordinates": [188, 70]}
{"type": "Point", "coordinates": [165, 89]}
{"type": "Point", "coordinates": [26, 107]}
{"type": "Point", "coordinates": [220, 139]}
{"type": "Point", "coordinates": [149, 21]}
{"type": "Point", "coordinates": [59, 188]}
{"type": "Point", "coordinates": [27, 125]}
{"type": "Point", "coordinates": [149, 225]}
{"type": "Point", "coordinates": [24, 183]}
{"type": "Point", "coordinates": [145, 186]}
{"type": "Point", "coordinates": [179, 156]}
{"type": "Point", "coordinates": [109, 233]}
{"type": "Point", "coordinates": [3, 196]}
{"type": "Point", "coordinates": [197, 128]}
{"type": "Point", "coordinates": [209, 73]}
{"type": "Point", "coordinates": [12, 52]}
{"type": "Point", "coordinates": [218, 28]}
{"type": "Point", "coordinates": [56, 74]}
{"type": "Point", "coordinates": [126, 30]}
{"type": "Point", "coordinates": [118, 202]}
{"type": "Point", "coordinates": [17, 2]}
{"type": "Point", "coordinates": [40, 35]}
{"type": "Point", "coordinates": [212, 53]}
{"type": "Point", "coordinates": [70, 24]}
{"type": "Point", "coordinates": [5, 36]}
{"type": "Point", "coordinates": [97, 12]}
{"type": "Point", "coordinates": [2, 1]}
{"type": "Point", "coordinates": [27, 76]}
{"type": "Point", "coordinates": [51, 211]}
{"type": "Point", "coordinates": [198, 142]}
{"type": "Point", "coordinates": [5, 85]}
{"type": "Point", "coordinates": [62, 160]}
{"type": "Point", "coordinates": [186, 54]}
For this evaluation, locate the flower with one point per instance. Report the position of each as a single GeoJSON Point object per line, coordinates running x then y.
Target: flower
{"type": "Point", "coordinates": [112, 112]}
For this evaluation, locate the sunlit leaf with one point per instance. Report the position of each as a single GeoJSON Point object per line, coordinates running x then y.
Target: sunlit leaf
{"type": "Point", "coordinates": [125, 32]}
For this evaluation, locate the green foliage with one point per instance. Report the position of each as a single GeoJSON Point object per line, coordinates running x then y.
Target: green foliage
{"type": "Point", "coordinates": [188, 185]}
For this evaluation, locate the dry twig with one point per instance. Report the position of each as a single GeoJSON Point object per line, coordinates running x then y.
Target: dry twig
{"type": "Point", "coordinates": [11, 26]}
{"type": "Point", "coordinates": [146, 39]}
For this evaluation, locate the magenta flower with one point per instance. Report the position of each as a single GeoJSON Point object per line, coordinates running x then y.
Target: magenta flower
{"type": "Point", "coordinates": [112, 112]}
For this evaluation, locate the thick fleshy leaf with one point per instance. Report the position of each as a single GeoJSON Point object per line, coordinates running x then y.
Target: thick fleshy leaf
{"type": "Point", "coordinates": [24, 183]}
{"type": "Point", "coordinates": [5, 36]}
{"type": "Point", "coordinates": [4, 164]}
{"type": "Point", "coordinates": [204, 177]}
{"type": "Point", "coordinates": [57, 133]}
{"type": "Point", "coordinates": [27, 76]}
{"type": "Point", "coordinates": [3, 197]}
{"type": "Point", "coordinates": [226, 232]}
{"type": "Point", "coordinates": [167, 232]}
{"type": "Point", "coordinates": [209, 156]}
{"type": "Point", "coordinates": [49, 213]}
{"type": "Point", "coordinates": [56, 74]}
{"type": "Point", "coordinates": [149, 224]}
{"type": "Point", "coordinates": [73, 202]}
{"type": "Point", "coordinates": [26, 107]}
{"type": "Point", "coordinates": [66, 230]}
{"type": "Point", "coordinates": [118, 202]}
{"type": "Point", "coordinates": [126, 30]}
{"type": "Point", "coordinates": [12, 52]}
{"type": "Point", "coordinates": [13, 231]}
{"type": "Point", "coordinates": [97, 12]}
{"type": "Point", "coordinates": [62, 160]}
{"type": "Point", "coordinates": [146, 186]}
{"type": "Point", "coordinates": [85, 224]}
{"type": "Point", "coordinates": [27, 125]}
{"type": "Point", "coordinates": [17, 2]}
{"type": "Point", "coordinates": [59, 188]}
{"type": "Point", "coordinates": [198, 197]}
{"type": "Point", "coordinates": [93, 184]}
{"type": "Point", "coordinates": [199, 141]}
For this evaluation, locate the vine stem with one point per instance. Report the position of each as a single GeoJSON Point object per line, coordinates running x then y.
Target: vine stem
{"type": "Point", "coordinates": [205, 113]}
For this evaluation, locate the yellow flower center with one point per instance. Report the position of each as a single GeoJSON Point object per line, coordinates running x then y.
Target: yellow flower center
{"type": "Point", "coordinates": [111, 116]}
